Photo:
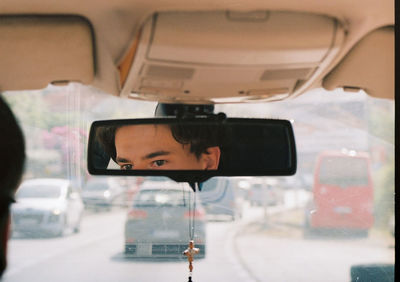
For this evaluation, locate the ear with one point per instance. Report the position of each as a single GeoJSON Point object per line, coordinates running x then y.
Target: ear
{"type": "Point", "coordinates": [211, 158]}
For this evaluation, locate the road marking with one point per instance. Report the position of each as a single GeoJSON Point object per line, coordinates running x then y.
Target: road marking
{"type": "Point", "coordinates": [234, 257]}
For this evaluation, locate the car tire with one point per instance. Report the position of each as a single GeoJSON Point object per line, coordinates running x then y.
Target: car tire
{"type": "Point", "coordinates": [307, 229]}
{"type": "Point", "coordinates": [77, 227]}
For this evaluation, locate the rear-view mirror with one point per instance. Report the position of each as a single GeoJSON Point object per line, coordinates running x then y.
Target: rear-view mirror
{"type": "Point", "coordinates": [192, 150]}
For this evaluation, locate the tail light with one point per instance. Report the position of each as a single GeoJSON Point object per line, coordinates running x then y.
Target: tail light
{"type": "Point", "coordinates": [198, 214]}
{"type": "Point", "coordinates": [137, 214]}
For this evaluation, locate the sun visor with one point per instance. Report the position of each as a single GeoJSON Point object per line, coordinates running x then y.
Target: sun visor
{"type": "Point", "coordinates": [222, 56]}
{"type": "Point", "coordinates": [38, 50]}
{"type": "Point", "coordinates": [369, 66]}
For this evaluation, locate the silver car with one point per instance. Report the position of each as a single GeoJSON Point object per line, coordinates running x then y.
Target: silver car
{"type": "Point", "coordinates": [157, 224]}
{"type": "Point", "coordinates": [265, 193]}
{"type": "Point", "coordinates": [102, 192]}
{"type": "Point", "coordinates": [47, 205]}
{"type": "Point", "coordinates": [220, 201]}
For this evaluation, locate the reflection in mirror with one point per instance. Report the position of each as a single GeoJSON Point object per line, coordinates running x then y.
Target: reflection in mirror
{"type": "Point", "coordinates": [161, 146]}
{"type": "Point", "coordinates": [228, 147]}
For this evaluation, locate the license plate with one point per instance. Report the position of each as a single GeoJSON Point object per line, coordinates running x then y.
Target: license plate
{"type": "Point", "coordinates": [166, 234]}
{"type": "Point", "coordinates": [342, 210]}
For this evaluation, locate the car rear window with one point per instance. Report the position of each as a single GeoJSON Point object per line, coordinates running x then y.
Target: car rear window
{"type": "Point", "coordinates": [96, 186]}
{"type": "Point", "coordinates": [344, 172]}
{"type": "Point", "coordinates": [39, 191]}
{"type": "Point", "coordinates": [156, 198]}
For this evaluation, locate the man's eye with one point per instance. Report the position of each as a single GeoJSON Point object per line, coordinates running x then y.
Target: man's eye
{"type": "Point", "coordinates": [159, 163]}
{"type": "Point", "coordinates": [126, 167]}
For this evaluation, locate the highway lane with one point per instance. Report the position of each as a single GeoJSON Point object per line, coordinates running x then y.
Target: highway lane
{"type": "Point", "coordinates": [95, 254]}
{"type": "Point", "coordinates": [277, 248]}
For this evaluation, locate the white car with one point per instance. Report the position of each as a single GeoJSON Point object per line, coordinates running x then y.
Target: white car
{"type": "Point", "coordinates": [47, 206]}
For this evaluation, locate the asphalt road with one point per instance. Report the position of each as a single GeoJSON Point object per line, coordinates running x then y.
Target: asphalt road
{"type": "Point", "coordinates": [95, 254]}
{"type": "Point", "coordinates": [265, 245]}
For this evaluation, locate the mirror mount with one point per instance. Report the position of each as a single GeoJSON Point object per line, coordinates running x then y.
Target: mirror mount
{"type": "Point", "coordinates": [193, 185]}
{"type": "Point", "coordinates": [184, 111]}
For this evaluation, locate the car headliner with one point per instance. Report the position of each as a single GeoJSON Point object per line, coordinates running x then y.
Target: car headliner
{"type": "Point", "coordinates": [115, 23]}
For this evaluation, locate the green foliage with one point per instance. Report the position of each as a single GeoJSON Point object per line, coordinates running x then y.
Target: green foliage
{"type": "Point", "coordinates": [384, 195]}
{"type": "Point", "coordinates": [381, 120]}
{"type": "Point", "coordinates": [31, 109]}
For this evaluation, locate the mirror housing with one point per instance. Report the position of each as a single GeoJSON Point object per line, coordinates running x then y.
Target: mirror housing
{"type": "Point", "coordinates": [242, 147]}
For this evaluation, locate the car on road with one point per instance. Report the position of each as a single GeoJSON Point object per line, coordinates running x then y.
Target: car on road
{"type": "Point", "coordinates": [102, 193]}
{"type": "Point", "coordinates": [265, 193]}
{"type": "Point", "coordinates": [157, 222]}
{"type": "Point", "coordinates": [343, 192]}
{"type": "Point", "coordinates": [47, 206]}
{"type": "Point", "coordinates": [220, 200]}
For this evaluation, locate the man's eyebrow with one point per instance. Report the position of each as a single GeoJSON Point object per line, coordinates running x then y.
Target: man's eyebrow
{"type": "Point", "coordinates": [156, 154]}
{"type": "Point", "coordinates": [122, 160]}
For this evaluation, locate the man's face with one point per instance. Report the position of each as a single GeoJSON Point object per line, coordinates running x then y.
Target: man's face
{"type": "Point", "coordinates": [154, 147]}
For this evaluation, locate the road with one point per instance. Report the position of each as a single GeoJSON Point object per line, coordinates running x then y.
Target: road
{"type": "Point", "coordinates": [95, 254]}
{"type": "Point", "coordinates": [255, 248]}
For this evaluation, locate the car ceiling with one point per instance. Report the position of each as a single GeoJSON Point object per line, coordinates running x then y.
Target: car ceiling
{"type": "Point", "coordinates": [116, 23]}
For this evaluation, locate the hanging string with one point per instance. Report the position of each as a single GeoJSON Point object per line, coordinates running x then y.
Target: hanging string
{"type": "Point", "coordinates": [192, 210]}
{"type": "Point", "coordinates": [183, 195]}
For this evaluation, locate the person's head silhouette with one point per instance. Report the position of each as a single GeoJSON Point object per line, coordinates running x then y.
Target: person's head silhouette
{"type": "Point", "coordinates": [12, 158]}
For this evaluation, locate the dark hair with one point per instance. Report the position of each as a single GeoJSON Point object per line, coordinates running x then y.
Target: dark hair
{"type": "Point", "coordinates": [12, 152]}
{"type": "Point", "coordinates": [106, 140]}
{"type": "Point", "coordinates": [198, 137]}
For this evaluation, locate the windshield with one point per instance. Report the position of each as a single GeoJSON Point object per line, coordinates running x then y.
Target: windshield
{"type": "Point", "coordinates": [38, 191]}
{"type": "Point", "coordinates": [278, 234]}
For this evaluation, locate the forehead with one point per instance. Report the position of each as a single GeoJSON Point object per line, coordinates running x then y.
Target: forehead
{"type": "Point", "coordinates": [145, 139]}
{"type": "Point", "coordinates": [140, 132]}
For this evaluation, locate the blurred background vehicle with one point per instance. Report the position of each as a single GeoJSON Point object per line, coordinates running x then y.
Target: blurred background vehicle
{"type": "Point", "coordinates": [220, 199]}
{"type": "Point", "coordinates": [51, 206]}
{"type": "Point", "coordinates": [130, 186]}
{"type": "Point", "coordinates": [265, 192]}
{"type": "Point", "coordinates": [343, 192]}
{"type": "Point", "coordinates": [103, 193]}
{"type": "Point", "coordinates": [157, 222]}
